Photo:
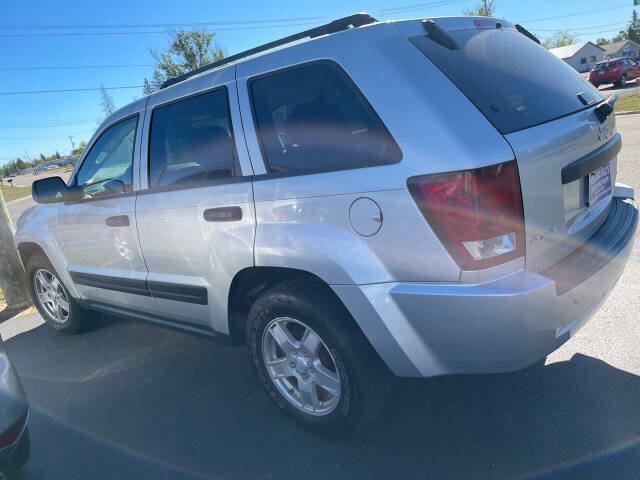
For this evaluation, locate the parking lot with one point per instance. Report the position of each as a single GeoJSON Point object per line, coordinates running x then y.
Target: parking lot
{"type": "Point", "coordinates": [131, 400]}
{"type": "Point", "coordinates": [631, 88]}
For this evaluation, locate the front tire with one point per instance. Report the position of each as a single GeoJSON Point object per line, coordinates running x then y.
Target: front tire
{"type": "Point", "coordinates": [623, 80]}
{"type": "Point", "coordinates": [313, 360]}
{"type": "Point", "coordinates": [51, 298]}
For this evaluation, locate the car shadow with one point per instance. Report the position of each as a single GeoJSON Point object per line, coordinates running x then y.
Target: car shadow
{"type": "Point", "coordinates": [630, 85]}
{"type": "Point", "coordinates": [130, 400]}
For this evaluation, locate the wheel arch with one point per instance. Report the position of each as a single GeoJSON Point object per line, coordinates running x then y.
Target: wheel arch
{"type": "Point", "coordinates": [28, 250]}
{"type": "Point", "coordinates": [249, 283]}
{"type": "Point", "coordinates": [29, 245]}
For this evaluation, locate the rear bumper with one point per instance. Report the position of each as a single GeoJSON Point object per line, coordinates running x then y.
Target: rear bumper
{"type": "Point", "coordinates": [604, 78]}
{"type": "Point", "coordinates": [498, 326]}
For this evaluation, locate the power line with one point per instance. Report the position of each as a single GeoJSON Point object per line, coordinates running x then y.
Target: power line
{"type": "Point", "coordinates": [622, 5]}
{"type": "Point", "coordinates": [68, 90]}
{"type": "Point", "coordinates": [154, 32]}
{"type": "Point", "coordinates": [583, 28]}
{"type": "Point", "coordinates": [135, 65]}
{"type": "Point", "coordinates": [51, 124]}
{"type": "Point", "coordinates": [236, 23]}
{"type": "Point", "coordinates": [46, 137]}
{"type": "Point", "coordinates": [160, 25]}
{"type": "Point", "coordinates": [220, 26]}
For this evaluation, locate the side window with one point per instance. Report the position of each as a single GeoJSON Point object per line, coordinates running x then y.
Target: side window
{"type": "Point", "coordinates": [107, 168]}
{"type": "Point", "coordinates": [191, 141]}
{"type": "Point", "coordinates": [313, 118]}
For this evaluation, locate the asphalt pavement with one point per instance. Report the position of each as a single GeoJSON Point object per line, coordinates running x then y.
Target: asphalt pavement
{"type": "Point", "coordinates": [131, 400]}
{"type": "Point", "coordinates": [631, 88]}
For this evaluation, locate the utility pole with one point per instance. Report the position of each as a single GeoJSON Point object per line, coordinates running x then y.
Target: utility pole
{"type": "Point", "coordinates": [33, 167]}
{"type": "Point", "coordinates": [73, 147]}
{"type": "Point", "coordinates": [486, 14]}
{"type": "Point", "coordinates": [12, 276]}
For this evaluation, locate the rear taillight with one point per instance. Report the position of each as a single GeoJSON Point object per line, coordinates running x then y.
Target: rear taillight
{"type": "Point", "coordinates": [476, 214]}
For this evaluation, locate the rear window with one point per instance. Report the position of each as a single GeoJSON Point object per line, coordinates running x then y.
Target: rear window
{"type": "Point", "coordinates": [191, 141]}
{"type": "Point", "coordinates": [512, 80]}
{"type": "Point", "coordinates": [607, 64]}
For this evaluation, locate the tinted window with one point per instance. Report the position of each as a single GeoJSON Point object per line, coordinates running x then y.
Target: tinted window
{"type": "Point", "coordinates": [107, 168]}
{"type": "Point", "coordinates": [313, 118]}
{"type": "Point", "coordinates": [192, 141]}
{"type": "Point", "coordinates": [512, 80]}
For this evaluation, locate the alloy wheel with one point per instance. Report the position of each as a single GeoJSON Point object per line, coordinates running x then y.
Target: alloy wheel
{"type": "Point", "coordinates": [51, 296]}
{"type": "Point", "coordinates": [301, 366]}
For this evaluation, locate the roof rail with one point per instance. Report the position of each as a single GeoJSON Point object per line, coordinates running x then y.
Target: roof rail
{"type": "Point", "coordinates": [352, 21]}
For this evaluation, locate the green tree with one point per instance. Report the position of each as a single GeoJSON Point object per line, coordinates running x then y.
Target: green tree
{"type": "Point", "coordinates": [602, 41]}
{"type": "Point", "coordinates": [632, 32]}
{"type": "Point", "coordinates": [42, 158]}
{"type": "Point", "coordinates": [187, 51]}
{"type": "Point", "coordinates": [20, 164]}
{"type": "Point", "coordinates": [78, 151]}
{"type": "Point", "coordinates": [560, 39]}
{"type": "Point", "coordinates": [58, 155]}
{"type": "Point", "coordinates": [487, 9]}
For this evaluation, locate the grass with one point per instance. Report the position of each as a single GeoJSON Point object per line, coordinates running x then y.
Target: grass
{"type": "Point", "coordinates": [13, 193]}
{"type": "Point", "coordinates": [628, 102]}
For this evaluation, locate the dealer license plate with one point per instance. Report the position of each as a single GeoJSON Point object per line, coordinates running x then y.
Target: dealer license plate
{"type": "Point", "coordinates": [599, 185]}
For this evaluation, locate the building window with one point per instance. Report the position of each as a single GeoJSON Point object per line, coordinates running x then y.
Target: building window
{"type": "Point", "coordinates": [593, 58]}
{"type": "Point", "coordinates": [583, 60]}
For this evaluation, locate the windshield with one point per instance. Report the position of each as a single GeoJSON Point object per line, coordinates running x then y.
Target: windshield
{"type": "Point", "coordinates": [512, 80]}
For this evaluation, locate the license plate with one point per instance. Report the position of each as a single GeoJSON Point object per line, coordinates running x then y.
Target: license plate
{"type": "Point", "coordinates": [599, 185]}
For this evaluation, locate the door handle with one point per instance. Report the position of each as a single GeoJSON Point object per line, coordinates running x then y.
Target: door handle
{"type": "Point", "coordinates": [223, 214]}
{"type": "Point", "coordinates": [117, 221]}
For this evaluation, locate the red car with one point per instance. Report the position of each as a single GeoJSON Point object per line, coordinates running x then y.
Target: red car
{"type": "Point", "coordinates": [616, 71]}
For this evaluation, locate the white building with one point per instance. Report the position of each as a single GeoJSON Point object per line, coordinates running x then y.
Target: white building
{"type": "Point", "coordinates": [582, 56]}
{"type": "Point", "coordinates": [625, 48]}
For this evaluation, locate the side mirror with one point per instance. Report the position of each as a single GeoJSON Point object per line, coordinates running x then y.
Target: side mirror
{"type": "Point", "coordinates": [52, 190]}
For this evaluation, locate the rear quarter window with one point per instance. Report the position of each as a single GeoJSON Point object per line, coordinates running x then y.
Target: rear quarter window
{"type": "Point", "coordinates": [512, 80]}
{"type": "Point", "coordinates": [312, 118]}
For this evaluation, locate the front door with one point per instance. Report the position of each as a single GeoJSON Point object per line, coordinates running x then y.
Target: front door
{"type": "Point", "coordinates": [196, 216]}
{"type": "Point", "coordinates": [99, 238]}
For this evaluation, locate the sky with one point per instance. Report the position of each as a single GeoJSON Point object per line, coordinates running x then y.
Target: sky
{"type": "Point", "coordinates": [107, 43]}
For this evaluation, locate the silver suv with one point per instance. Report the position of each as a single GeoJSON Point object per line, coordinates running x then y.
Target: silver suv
{"type": "Point", "coordinates": [416, 198]}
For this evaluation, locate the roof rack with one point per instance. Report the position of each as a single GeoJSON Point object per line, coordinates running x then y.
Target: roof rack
{"type": "Point", "coordinates": [352, 21]}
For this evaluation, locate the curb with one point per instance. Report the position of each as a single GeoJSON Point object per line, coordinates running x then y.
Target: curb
{"type": "Point", "coordinates": [17, 200]}
{"type": "Point", "coordinates": [630, 112]}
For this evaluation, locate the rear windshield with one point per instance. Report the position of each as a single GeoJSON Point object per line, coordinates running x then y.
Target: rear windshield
{"type": "Point", "coordinates": [512, 80]}
{"type": "Point", "coordinates": [606, 64]}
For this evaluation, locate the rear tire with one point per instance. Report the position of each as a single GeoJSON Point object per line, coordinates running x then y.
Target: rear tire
{"type": "Point", "coordinates": [52, 299]}
{"type": "Point", "coordinates": [294, 315]}
{"type": "Point", "coordinates": [595, 85]}
{"type": "Point", "coordinates": [623, 80]}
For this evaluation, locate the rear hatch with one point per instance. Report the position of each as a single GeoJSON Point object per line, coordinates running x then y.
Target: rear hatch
{"type": "Point", "coordinates": [566, 157]}
{"type": "Point", "coordinates": [605, 70]}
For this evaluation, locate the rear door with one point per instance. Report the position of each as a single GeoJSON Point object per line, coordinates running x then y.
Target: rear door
{"type": "Point", "coordinates": [195, 212]}
{"type": "Point", "coordinates": [545, 110]}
